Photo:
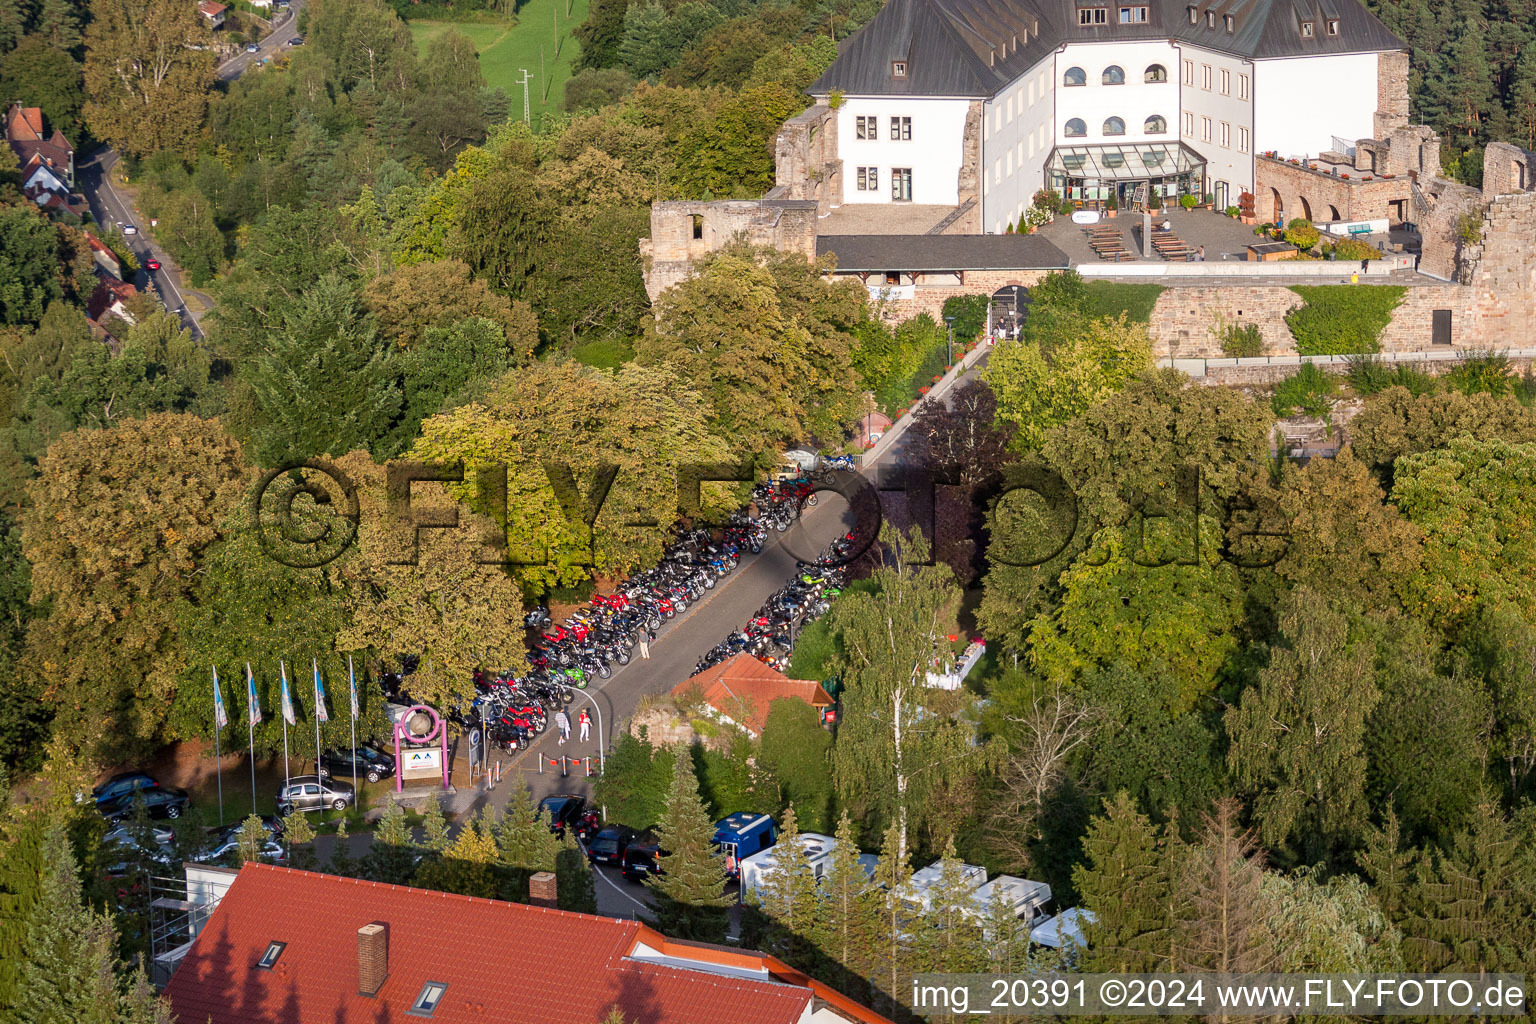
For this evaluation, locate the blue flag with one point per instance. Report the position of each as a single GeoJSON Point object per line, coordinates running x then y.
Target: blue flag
{"type": "Point", "coordinates": [220, 716]}
{"type": "Point", "coordinates": [250, 692]}
{"type": "Point", "coordinates": [352, 684]}
{"type": "Point", "coordinates": [288, 715]}
{"type": "Point", "coordinates": [321, 714]}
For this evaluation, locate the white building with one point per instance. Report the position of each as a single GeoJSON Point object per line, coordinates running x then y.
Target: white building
{"type": "Point", "coordinates": [950, 102]}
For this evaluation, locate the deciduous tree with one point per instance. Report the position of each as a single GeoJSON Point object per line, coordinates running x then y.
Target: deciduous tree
{"type": "Point", "coordinates": [149, 69]}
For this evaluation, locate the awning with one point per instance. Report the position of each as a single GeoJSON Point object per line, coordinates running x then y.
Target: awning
{"type": "Point", "coordinates": [1125, 162]}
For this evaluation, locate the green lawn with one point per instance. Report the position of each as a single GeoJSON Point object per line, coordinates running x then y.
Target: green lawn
{"type": "Point", "coordinates": [540, 41]}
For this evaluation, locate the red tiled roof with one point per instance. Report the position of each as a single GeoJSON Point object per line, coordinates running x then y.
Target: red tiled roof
{"type": "Point", "coordinates": [24, 123]}
{"type": "Point", "coordinates": [211, 9]}
{"type": "Point", "coordinates": [742, 688]}
{"type": "Point", "coordinates": [503, 963]}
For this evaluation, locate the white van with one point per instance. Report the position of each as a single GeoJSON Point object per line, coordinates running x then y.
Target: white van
{"type": "Point", "coordinates": [818, 850]}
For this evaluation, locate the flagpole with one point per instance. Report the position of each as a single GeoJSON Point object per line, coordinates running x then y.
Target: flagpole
{"type": "Point", "coordinates": [218, 758]}
{"type": "Point", "coordinates": [352, 686]}
{"type": "Point", "coordinates": [250, 727]}
{"type": "Point", "coordinates": [315, 664]}
{"type": "Point", "coordinates": [282, 670]}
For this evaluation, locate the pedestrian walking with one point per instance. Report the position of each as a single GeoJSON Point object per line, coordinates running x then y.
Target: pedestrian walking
{"type": "Point", "coordinates": [645, 647]}
{"type": "Point", "coordinates": [563, 723]}
{"type": "Point", "coordinates": [586, 725]}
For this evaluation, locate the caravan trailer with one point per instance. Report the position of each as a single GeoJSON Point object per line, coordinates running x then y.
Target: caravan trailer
{"type": "Point", "coordinates": [818, 850]}
{"type": "Point", "coordinates": [919, 896]}
{"type": "Point", "coordinates": [1064, 931]}
{"type": "Point", "coordinates": [1025, 898]}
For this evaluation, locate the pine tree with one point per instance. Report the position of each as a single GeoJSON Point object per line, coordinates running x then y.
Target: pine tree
{"type": "Point", "coordinates": [1225, 931]}
{"type": "Point", "coordinates": [392, 856]}
{"type": "Point", "coordinates": [847, 914]}
{"type": "Point", "coordinates": [575, 884]}
{"type": "Point", "coordinates": [434, 828]}
{"type": "Point", "coordinates": [59, 23]}
{"type": "Point", "coordinates": [947, 938]}
{"type": "Point", "coordinates": [253, 836]}
{"type": "Point", "coordinates": [691, 898]}
{"type": "Point", "coordinates": [342, 862]}
{"type": "Point", "coordinates": [789, 900]}
{"type": "Point", "coordinates": [21, 872]}
{"type": "Point", "coordinates": [1387, 865]}
{"type": "Point", "coordinates": [68, 969]}
{"type": "Point", "coordinates": [889, 962]}
{"type": "Point", "coordinates": [299, 836]}
{"type": "Point", "coordinates": [468, 866]}
{"type": "Point", "coordinates": [1122, 881]}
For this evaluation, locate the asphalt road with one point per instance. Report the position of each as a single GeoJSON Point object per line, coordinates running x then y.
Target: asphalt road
{"type": "Point", "coordinates": [111, 209]}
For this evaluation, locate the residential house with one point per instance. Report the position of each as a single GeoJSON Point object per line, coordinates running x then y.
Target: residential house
{"type": "Point", "coordinates": [739, 690]}
{"type": "Point", "coordinates": [46, 162]}
{"type": "Point", "coordinates": [212, 12]}
{"type": "Point", "coordinates": [109, 297]}
{"type": "Point", "coordinates": [297, 947]}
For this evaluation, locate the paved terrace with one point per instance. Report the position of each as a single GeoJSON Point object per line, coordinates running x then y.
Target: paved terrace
{"type": "Point", "coordinates": [882, 219]}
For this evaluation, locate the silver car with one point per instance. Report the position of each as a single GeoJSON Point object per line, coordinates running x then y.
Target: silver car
{"type": "Point", "coordinates": [312, 793]}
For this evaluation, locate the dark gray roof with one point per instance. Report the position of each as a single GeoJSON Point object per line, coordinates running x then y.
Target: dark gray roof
{"type": "Point", "coordinates": [974, 48]}
{"type": "Point", "coordinates": [910, 253]}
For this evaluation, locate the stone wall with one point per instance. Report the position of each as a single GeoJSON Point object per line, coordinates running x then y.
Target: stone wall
{"type": "Point", "coordinates": [672, 250]}
{"type": "Point", "coordinates": [1391, 92]}
{"type": "Point", "coordinates": [1502, 283]}
{"type": "Point", "coordinates": [1314, 195]}
{"type": "Point", "coordinates": [1443, 253]}
{"type": "Point", "coordinates": [969, 182]}
{"type": "Point", "coordinates": [1413, 149]}
{"type": "Point", "coordinates": [805, 160]}
{"type": "Point", "coordinates": [930, 299]}
{"type": "Point", "coordinates": [1507, 169]}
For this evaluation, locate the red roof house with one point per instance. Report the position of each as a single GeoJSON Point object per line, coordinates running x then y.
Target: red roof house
{"type": "Point", "coordinates": [740, 689]}
{"type": "Point", "coordinates": [109, 297]}
{"type": "Point", "coordinates": [41, 157]}
{"type": "Point", "coordinates": [213, 12]}
{"type": "Point", "coordinates": [296, 947]}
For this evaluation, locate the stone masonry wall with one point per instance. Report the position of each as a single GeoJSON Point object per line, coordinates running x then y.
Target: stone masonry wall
{"type": "Point", "coordinates": [805, 160]}
{"type": "Point", "coordinates": [672, 250]}
{"type": "Point", "coordinates": [969, 183]}
{"type": "Point", "coordinates": [1413, 148]}
{"type": "Point", "coordinates": [1441, 246]}
{"type": "Point", "coordinates": [930, 298]}
{"type": "Point", "coordinates": [1507, 168]}
{"type": "Point", "coordinates": [1355, 198]}
{"type": "Point", "coordinates": [1391, 92]}
{"type": "Point", "coordinates": [1502, 285]}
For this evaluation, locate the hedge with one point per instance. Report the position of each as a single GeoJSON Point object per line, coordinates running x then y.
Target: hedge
{"type": "Point", "coordinates": [1342, 319]}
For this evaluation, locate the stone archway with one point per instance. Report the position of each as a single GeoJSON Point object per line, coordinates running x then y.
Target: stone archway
{"type": "Point", "coordinates": [1279, 207]}
{"type": "Point", "coordinates": [1333, 213]}
{"type": "Point", "coordinates": [1306, 208]}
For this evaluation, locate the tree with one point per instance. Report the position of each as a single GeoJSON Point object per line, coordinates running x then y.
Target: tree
{"type": "Point", "coordinates": [1329, 926]}
{"type": "Point", "coordinates": [300, 836]}
{"type": "Point", "coordinates": [392, 855]}
{"type": "Point", "coordinates": [1041, 739]}
{"type": "Point", "coordinates": [691, 898]}
{"type": "Point", "coordinates": [634, 784]}
{"type": "Point", "coordinates": [896, 754]}
{"type": "Point", "coordinates": [342, 862]}
{"type": "Point", "coordinates": [524, 844]}
{"type": "Point", "coordinates": [732, 151]}
{"type": "Point", "coordinates": [1396, 423]}
{"type": "Point", "coordinates": [575, 881]}
{"type": "Point", "coordinates": [118, 521]}
{"type": "Point", "coordinates": [439, 293]}
{"type": "Point", "coordinates": [788, 897]}
{"type": "Point", "coordinates": [797, 750]}
{"type": "Point", "coordinates": [1298, 737]}
{"type": "Point", "coordinates": [1039, 387]}
{"type": "Point", "coordinates": [45, 73]}
{"type": "Point", "coordinates": [601, 33]}
{"type": "Point", "coordinates": [468, 866]}
{"type": "Point", "coordinates": [947, 937]}
{"type": "Point", "coordinates": [435, 828]}
{"type": "Point", "coordinates": [1501, 646]}
{"type": "Point", "coordinates": [253, 836]}
{"type": "Point", "coordinates": [452, 65]}
{"type": "Point", "coordinates": [594, 88]}
{"type": "Point", "coordinates": [149, 68]}
{"type": "Point", "coordinates": [890, 960]}
{"type": "Point", "coordinates": [21, 874]}
{"type": "Point", "coordinates": [324, 384]}
{"type": "Point", "coordinates": [844, 926]}
{"type": "Point", "coordinates": [1124, 881]}
{"type": "Point", "coordinates": [29, 279]}
{"type": "Point", "coordinates": [363, 42]}
{"type": "Point", "coordinates": [1227, 927]}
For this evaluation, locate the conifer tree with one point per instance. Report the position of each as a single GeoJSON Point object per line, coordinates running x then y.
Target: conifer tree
{"type": "Point", "coordinates": [847, 915]}
{"type": "Point", "coordinates": [788, 898]}
{"type": "Point", "coordinates": [468, 866]}
{"type": "Point", "coordinates": [300, 837]}
{"type": "Point", "coordinates": [392, 856]}
{"type": "Point", "coordinates": [947, 937]}
{"type": "Point", "coordinates": [342, 862]}
{"type": "Point", "coordinates": [1225, 930]}
{"type": "Point", "coordinates": [691, 894]}
{"type": "Point", "coordinates": [21, 872]}
{"type": "Point", "coordinates": [253, 836]}
{"type": "Point", "coordinates": [889, 962]}
{"type": "Point", "coordinates": [68, 968]}
{"type": "Point", "coordinates": [434, 828]}
{"type": "Point", "coordinates": [1123, 882]}
{"type": "Point", "coordinates": [1006, 938]}
{"type": "Point", "coordinates": [1388, 866]}
{"type": "Point", "coordinates": [575, 886]}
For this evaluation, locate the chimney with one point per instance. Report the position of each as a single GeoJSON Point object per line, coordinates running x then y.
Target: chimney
{"type": "Point", "coordinates": [542, 891]}
{"type": "Point", "coordinates": [372, 958]}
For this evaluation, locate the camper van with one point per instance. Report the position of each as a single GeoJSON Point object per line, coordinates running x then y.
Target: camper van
{"type": "Point", "coordinates": [919, 896]}
{"type": "Point", "coordinates": [741, 835]}
{"type": "Point", "coordinates": [754, 869]}
{"type": "Point", "coordinates": [1025, 898]}
{"type": "Point", "coordinates": [1064, 931]}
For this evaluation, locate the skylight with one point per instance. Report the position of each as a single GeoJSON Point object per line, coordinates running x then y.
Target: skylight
{"type": "Point", "coordinates": [269, 957]}
{"type": "Point", "coordinates": [431, 994]}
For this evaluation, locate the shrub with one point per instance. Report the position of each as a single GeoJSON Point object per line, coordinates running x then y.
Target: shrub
{"type": "Point", "coordinates": [1232, 211]}
{"type": "Point", "coordinates": [1046, 199]}
{"type": "Point", "coordinates": [970, 313]}
{"type": "Point", "coordinates": [1342, 319]}
{"type": "Point", "coordinates": [1482, 372]}
{"type": "Point", "coordinates": [1352, 249]}
{"type": "Point", "coordinates": [1238, 341]}
{"type": "Point", "coordinates": [1189, 202]}
{"type": "Point", "coordinates": [1310, 391]}
{"type": "Point", "coordinates": [1111, 298]}
{"type": "Point", "coordinates": [1066, 208]}
{"type": "Point", "coordinates": [1368, 375]}
{"type": "Point", "coordinates": [1469, 227]}
{"type": "Point", "coordinates": [1301, 234]}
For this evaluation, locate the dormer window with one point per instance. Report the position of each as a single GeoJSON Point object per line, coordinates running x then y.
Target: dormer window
{"type": "Point", "coordinates": [1306, 30]}
{"type": "Point", "coordinates": [1333, 26]}
{"type": "Point", "coordinates": [269, 956]}
{"type": "Point", "coordinates": [1194, 14]}
{"type": "Point", "coordinates": [1210, 19]}
{"type": "Point", "coordinates": [898, 69]}
{"type": "Point", "coordinates": [1133, 15]}
{"type": "Point", "coordinates": [1229, 21]}
{"type": "Point", "coordinates": [1093, 15]}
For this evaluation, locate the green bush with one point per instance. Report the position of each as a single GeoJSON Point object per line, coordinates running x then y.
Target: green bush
{"type": "Point", "coordinates": [604, 353]}
{"type": "Point", "coordinates": [1310, 391]}
{"type": "Point", "coordinates": [1482, 372]}
{"type": "Point", "coordinates": [1111, 298]}
{"type": "Point", "coordinates": [1189, 202]}
{"type": "Point", "coordinates": [1303, 236]}
{"type": "Point", "coordinates": [1342, 319]}
{"type": "Point", "coordinates": [1239, 341]}
{"type": "Point", "coordinates": [1353, 249]}
{"type": "Point", "coordinates": [1368, 375]}
{"type": "Point", "coordinates": [970, 313]}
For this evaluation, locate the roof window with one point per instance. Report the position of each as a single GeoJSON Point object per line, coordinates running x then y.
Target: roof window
{"type": "Point", "coordinates": [899, 68]}
{"type": "Point", "coordinates": [431, 995]}
{"type": "Point", "coordinates": [1306, 30]}
{"type": "Point", "coordinates": [1333, 26]}
{"type": "Point", "coordinates": [269, 956]}
{"type": "Point", "coordinates": [1210, 19]}
{"type": "Point", "coordinates": [1229, 21]}
{"type": "Point", "coordinates": [1194, 14]}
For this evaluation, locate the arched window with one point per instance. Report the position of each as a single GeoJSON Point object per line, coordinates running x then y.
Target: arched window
{"type": "Point", "coordinates": [1114, 126]}
{"type": "Point", "coordinates": [1113, 75]}
{"type": "Point", "coordinates": [1156, 73]}
{"type": "Point", "coordinates": [1155, 125]}
{"type": "Point", "coordinates": [1074, 76]}
{"type": "Point", "coordinates": [1075, 128]}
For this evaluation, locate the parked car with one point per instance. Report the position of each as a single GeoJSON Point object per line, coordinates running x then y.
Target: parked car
{"type": "Point", "coordinates": [313, 793]}
{"type": "Point", "coordinates": [296, 41]}
{"type": "Point", "coordinates": [117, 785]}
{"type": "Point", "coordinates": [270, 822]}
{"type": "Point", "coordinates": [152, 264]}
{"type": "Point", "coordinates": [220, 848]}
{"type": "Point", "coordinates": [641, 861]}
{"type": "Point", "coordinates": [564, 812]}
{"type": "Point", "coordinates": [371, 764]}
{"type": "Point", "coordinates": [252, 48]}
{"type": "Point", "coordinates": [159, 802]}
{"type": "Point", "coordinates": [608, 846]}
{"type": "Point", "coordinates": [122, 835]}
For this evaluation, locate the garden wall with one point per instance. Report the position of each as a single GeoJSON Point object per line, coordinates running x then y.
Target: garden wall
{"type": "Point", "coordinates": [930, 299]}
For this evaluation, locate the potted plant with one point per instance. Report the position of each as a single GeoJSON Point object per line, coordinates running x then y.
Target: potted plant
{"type": "Point", "coordinates": [1245, 205]}
{"type": "Point", "coordinates": [1111, 207]}
{"type": "Point", "coordinates": [1232, 212]}
{"type": "Point", "coordinates": [1344, 176]}
{"type": "Point", "coordinates": [1189, 201]}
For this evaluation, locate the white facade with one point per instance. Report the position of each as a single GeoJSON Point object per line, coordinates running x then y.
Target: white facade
{"type": "Point", "coordinates": [1016, 139]}
{"type": "Point", "coordinates": [933, 153]}
{"type": "Point", "coordinates": [1131, 103]}
{"type": "Point", "coordinates": [1216, 118]}
{"type": "Point", "coordinates": [1289, 93]}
